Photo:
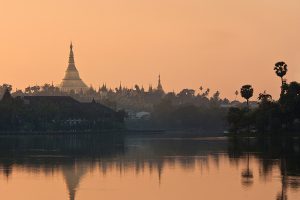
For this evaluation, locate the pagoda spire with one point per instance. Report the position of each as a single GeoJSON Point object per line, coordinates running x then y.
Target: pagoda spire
{"type": "Point", "coordinates": [159, 86]}
{"type": "Point", "coordinates": [71, 55]}
{"type": "Point", "coordinates": [120, 86]}
{"type": "Point", "coordinates": [159, 79]}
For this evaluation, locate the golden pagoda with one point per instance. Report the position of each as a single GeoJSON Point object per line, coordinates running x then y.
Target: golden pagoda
{"type": "Point", "coordinates": [72, 81]}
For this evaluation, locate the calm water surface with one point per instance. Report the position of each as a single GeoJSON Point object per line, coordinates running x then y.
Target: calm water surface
{"type": "Point", "coordinates": [148, 167]}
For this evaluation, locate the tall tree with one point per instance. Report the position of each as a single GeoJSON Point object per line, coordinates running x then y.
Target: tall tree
{"type": "Point", "coordinates": [281, 69]}
{"type": "Point", "coordinates": [247, 92]}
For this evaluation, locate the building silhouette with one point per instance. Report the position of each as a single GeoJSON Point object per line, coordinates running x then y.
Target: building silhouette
{"type": "Point", "coordinates": [72, 81]}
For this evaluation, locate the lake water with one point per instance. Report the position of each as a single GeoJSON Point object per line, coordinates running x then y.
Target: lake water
{"type": "Point", "coordinates": [148, 167]}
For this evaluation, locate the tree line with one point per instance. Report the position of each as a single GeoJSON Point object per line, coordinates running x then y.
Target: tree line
{"type": "Point", "coordinates": [271, 116]}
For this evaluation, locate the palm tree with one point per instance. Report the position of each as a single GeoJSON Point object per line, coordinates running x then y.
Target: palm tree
{"type": "Point", "coordinates": [247, 92]}
{"type": "Point", "coordinates": [281, 70]}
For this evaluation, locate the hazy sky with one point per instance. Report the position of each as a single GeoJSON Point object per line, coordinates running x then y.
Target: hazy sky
{"type": "Point", "coordinates": [220, 44]}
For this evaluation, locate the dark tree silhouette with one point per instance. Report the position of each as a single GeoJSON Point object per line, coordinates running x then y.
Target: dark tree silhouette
{"type": "Point", "coordinates": [281, 70]}
{"type": "Point", "coordinates": [247, 92]}
{"type": "Point", "coordinates": [6, 96]}
{"type": "Point", "coordinates": [264, 97]}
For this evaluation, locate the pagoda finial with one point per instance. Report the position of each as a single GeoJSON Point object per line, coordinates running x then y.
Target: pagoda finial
{"type": "Point", "coordinates": [71, 56]}
{"type": "Point", "coordinates": [159, 86]}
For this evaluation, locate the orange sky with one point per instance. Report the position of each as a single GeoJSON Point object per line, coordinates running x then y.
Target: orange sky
{"type": "Point", "coordinates": [219, 44]}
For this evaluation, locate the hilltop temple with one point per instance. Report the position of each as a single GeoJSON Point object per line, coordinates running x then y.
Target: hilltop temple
{"type": "Point", "coordinates": [72, 81]}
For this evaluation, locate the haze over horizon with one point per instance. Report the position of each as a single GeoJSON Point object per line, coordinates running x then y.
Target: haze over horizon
{"type": "Point", "coordinates": [219, 45]}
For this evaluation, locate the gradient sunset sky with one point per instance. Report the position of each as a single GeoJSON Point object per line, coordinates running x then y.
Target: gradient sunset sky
{"type": "Point", "coordinates": [220, 44]}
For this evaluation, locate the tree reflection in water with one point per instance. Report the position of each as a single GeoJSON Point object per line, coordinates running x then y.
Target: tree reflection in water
{"type": "Point", "coordinates": [247, 174]}
{"type": "Point", "coordinates": [282, 152]}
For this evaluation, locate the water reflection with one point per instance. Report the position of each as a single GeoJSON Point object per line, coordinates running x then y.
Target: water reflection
{"type": "Point", "coordinates": [280, 152]}
{"type": "Point", "coordinates": [78, 156]}
{"type": "Point", "coordinates": [73, 175]}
